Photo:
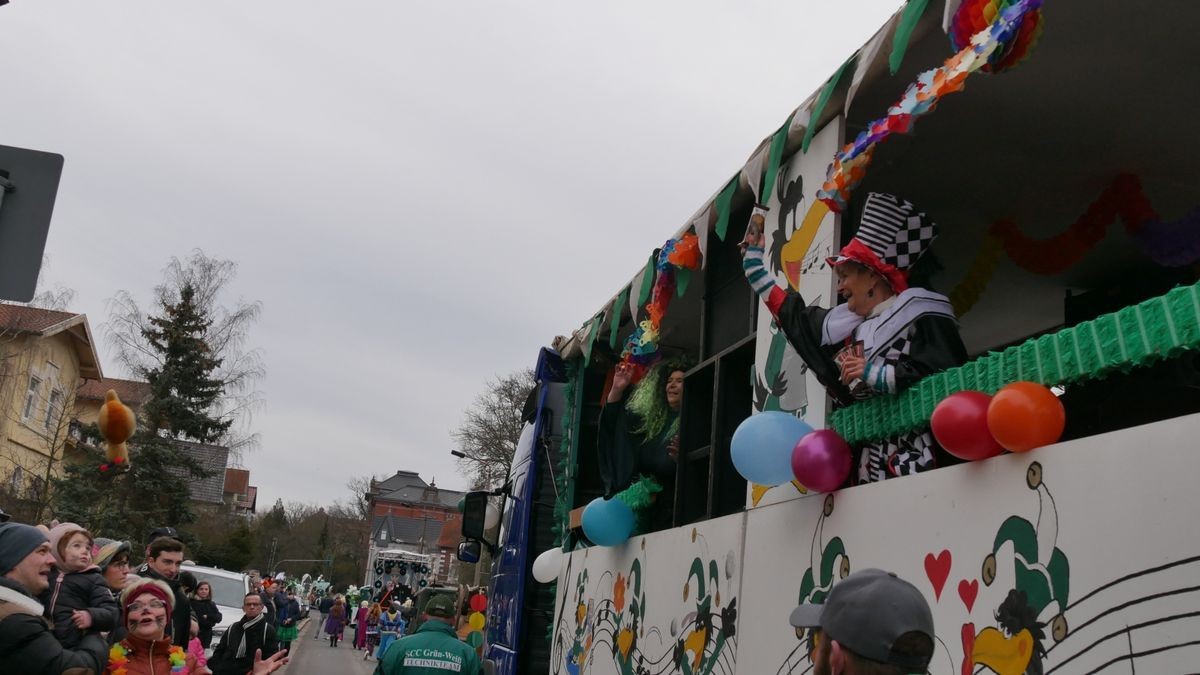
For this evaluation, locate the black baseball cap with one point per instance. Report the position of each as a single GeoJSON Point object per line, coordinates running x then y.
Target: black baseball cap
{"type": "Point", "coordinates": [160, 532]}
{"type": "Point", "coordinates": [867, 612]}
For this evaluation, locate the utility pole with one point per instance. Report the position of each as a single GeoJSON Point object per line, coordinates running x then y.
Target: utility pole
{"type": "Point", "coordinates": [271, 559]}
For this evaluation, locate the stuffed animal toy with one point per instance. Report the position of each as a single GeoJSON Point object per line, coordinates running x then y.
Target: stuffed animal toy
{"type": "Point", "coordinates": [117, 424]}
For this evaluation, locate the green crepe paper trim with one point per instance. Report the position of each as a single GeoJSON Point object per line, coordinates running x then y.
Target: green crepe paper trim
{"type": "Point", "coordinates": [682, 276]}
{"type": "Point", "coordinates": [562, 509]}
{"type": "Point", "coordinates": [647, 280]}
{"type": "Point", "coordinates": [822, 100]}
{"type": "Point", "coordinates": [640, 494]}
{"type": "Point", "coordinates": [774, 159]}
{"type": "Point", "coordinates": [618, 309]}
{"type": "Point", "coordinates": [904, 30]}
{"type": "Point", "coordinates": [724, 203]}
{"type": "Point", "coordinates": [593, 331]}
{"type": "Point", "coordinates": [1138, 335]}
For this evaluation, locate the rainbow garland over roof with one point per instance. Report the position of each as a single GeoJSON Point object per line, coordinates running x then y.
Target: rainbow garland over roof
{"type": "Point", "coordinates": [849, 166]}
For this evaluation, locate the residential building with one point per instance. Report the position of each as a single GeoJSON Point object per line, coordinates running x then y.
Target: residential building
{"type": "Point", "coordinates": [410, 514]}
{"type": "Point", "coordinates": [240, 496]}
{"type": "Point", "coordinates": [45, 355]}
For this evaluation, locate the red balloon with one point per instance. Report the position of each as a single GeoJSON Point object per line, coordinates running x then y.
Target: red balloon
{"type": "Point", "coordinates": [821, 460]}
{"type": "Point", "coordinates": [960, 425]}
{"type": "Point", "coordinates": [1026, 415]}
{"type": "Point", "coordinates": [479, 602]}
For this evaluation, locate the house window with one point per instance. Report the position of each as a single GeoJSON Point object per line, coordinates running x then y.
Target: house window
{"type": "Point", "coordinates": [54, 409]}
{"type": "Point", "coordinates": [31, 395]}
{"type": "Point", "coordinates": [383, 534]}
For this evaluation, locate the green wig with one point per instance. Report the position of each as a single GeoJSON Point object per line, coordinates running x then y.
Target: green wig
{"type": "Point", "coordinates": [649, 400]}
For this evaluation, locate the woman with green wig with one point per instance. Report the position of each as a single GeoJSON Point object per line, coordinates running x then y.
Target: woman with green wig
{"type": "Point", "coordinates": [639, 441]}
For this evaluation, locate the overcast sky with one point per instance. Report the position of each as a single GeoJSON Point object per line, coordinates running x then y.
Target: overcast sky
{"type": "Point", "coordinates": [421, 194]}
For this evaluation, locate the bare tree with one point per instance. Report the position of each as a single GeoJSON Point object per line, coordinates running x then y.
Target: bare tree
{"type": "Point", "coordinates": [491, 428]}
{"type": "Point", "coordinates": [240, 368]}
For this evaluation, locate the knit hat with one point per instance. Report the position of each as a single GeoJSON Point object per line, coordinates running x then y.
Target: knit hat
{"type": "Point", "coordinates": [136, 586]}
{"type": "Point", "coordinates": [60, 535]}
{"type": "Point", "coordinates": [105, 550]}
{"type": "Point", "coordinates": [17, 540]}
{"type": "Point", "coordinates": [892, 235]}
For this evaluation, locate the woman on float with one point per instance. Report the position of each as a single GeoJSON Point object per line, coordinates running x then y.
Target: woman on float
{"type": "Point", "coordinates": [885, 337]}
{"type": "Point", "coordinates": [639, 439]}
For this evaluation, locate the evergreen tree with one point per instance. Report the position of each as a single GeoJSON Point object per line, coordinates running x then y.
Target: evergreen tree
{"type": "Point", "coordinates": [127, 506]}
{"type": "Point", "coordinates": [184, 389]}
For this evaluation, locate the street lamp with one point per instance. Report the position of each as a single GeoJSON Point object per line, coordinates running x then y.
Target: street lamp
{"type": "Point", "coordinates": [462, 455]}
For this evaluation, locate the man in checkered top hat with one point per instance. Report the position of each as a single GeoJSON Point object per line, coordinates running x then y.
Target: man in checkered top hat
{"type": "Point", "coordinates": [885, 336]}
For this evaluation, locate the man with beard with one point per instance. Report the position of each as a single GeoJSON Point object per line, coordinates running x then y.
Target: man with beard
{"type": "Point", "coordinates": [873, 623]}
{"type": "Point", "coordinates": [235, 654]}
{"type": "Point", "coordinates": [26, 643]}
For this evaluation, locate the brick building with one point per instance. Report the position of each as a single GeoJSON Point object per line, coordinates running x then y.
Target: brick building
{"type": "Point", "coordinates": [410, 514]}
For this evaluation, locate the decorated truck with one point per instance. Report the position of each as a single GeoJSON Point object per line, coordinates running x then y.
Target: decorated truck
{"type": "Point", "coordinates": [1050, 144]}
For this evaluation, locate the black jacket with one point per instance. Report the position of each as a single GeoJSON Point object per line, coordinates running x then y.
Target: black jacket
{"type": "Point", "coordinates": [27, 646]}
{"type": "Point", "coordinates": [624, 452]}
{"type": "Point", "coordinates": [180, 629]}
{"type": "Point", "coordinates": [84, 590]}
{"type": "Point", "coordinates": [224, 660]}
{"type": "Point", "coordinates": [326, 605]}
{"type": "Point", "coordinates": [207, 616]}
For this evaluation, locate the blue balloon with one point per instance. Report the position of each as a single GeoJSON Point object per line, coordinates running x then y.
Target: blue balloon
{"type": "Point", "coordinates": [762, 446]}
{"type": "Point", "coordinates": [608, 522]}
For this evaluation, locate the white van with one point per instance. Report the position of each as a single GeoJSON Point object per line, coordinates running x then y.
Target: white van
{"type": "Point", "coordinates": [228, 591]}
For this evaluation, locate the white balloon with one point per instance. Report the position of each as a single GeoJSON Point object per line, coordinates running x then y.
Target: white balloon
{"type": "Point", "coordinates": [491, 517]}
{"type": "Point", "coordinates": [547, 565]}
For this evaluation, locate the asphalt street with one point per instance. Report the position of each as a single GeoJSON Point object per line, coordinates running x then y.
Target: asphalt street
{"type": "Point", "coordinates": [316, 657]}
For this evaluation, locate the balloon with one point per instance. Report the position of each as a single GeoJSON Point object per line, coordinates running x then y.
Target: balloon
{"type": "Point", "coordinates": [762, 446]}
{"type": "Point", "coordinates": [821, 460]}
{"type": "Point", "coordinates": [960, 425]}
{"type": "Point", "coordinates": [491, 517]}
{"type": "Point", "coordinates": [546, 566]}
{"type": "Point", "coordinates": [476, 620]}
{"type": "Point", "coordinates": [479, 602]}
{"type": "Point", "coordinates": [1026, 415]}
{"type": "Point", "coordinates": [475, 639]}
{"type": "Point", "coordinates": [607, 522]}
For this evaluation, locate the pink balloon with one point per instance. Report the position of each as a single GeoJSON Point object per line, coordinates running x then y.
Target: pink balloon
{"type": "Point", "coordinates": [821, 460]}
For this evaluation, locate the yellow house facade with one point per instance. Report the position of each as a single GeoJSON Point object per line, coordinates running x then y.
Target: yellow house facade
{"type": "Point", "coordinates": [45, 356]}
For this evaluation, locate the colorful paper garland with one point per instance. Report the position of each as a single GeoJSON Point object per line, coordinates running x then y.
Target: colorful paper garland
{"type": "Point", "coordinates": [921, 98]}
{"type": "Point", "coordinates": [676, 256]}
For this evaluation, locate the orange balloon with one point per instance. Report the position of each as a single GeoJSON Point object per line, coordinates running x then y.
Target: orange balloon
{"type": "Point", "coordinates": [1025, 415]}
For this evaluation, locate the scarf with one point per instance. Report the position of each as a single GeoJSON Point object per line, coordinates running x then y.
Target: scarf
{"type": "Point", "coordinates": [881, 329]}
{"type": "Point", "coordinates": [246, 626]}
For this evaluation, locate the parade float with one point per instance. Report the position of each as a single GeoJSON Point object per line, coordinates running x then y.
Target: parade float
{"type": "Point", "coordinates": [1050, 143]}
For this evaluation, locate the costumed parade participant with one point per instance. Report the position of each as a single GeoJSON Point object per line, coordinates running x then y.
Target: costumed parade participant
{"type": "Point", "coordinates": [638, 440]}
{"type": "Point", "coordinates": [885, 336]}
{"type": "Point", "coordinates": [146, 606]}
{"type": "Point", "coordinates": [391, 627]}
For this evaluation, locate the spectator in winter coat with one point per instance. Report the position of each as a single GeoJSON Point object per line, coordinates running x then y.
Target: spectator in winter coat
{"type": "Point", "coordinates": [235, 655]}
{"type": "Point", "coordinates": [112, 557]}
{"type": "Point", "coordinates": [27, 645]}
{"type": "Point", "coordinates": [145, 650]}
{"type": "Point", "coordinates": [164, 556]}
{"type": "Point", "coordinates": [78, 601]}
{"type": "Point", "coordinates": [207, 614]}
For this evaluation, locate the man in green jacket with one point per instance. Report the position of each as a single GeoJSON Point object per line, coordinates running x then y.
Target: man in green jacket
{"type": "Point", "coordinates": [434, 649]}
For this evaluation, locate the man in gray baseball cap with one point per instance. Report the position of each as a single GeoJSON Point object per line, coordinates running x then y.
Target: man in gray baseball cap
{"type": "Point", "coordinates": [873, 623]}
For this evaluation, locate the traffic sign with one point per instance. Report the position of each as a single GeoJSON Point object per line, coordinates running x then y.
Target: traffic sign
{"type": "Point", "coordinates": [28, 186]}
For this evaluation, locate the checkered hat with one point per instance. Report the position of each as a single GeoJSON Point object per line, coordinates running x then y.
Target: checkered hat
{"type": "Point", "coordinates": [891, 237]}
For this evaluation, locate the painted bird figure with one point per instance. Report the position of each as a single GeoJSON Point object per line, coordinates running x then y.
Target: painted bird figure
{"type": "Point", "coordinates": [117, 424]}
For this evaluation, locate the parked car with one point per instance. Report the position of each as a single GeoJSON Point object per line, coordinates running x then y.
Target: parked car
{"type": "Point", "coordinates": [228, 591]}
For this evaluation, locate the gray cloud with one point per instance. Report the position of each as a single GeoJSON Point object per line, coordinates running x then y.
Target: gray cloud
{"type": "Point", "coordinates": [421, 194]}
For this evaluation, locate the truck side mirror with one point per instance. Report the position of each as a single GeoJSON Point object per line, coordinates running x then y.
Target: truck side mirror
{"type": "Point", "coordinates": [474, 514]}
{"type": "Point", "coordinates": [468, 551]}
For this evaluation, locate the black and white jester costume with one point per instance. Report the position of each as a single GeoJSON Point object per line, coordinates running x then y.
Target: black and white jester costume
{"type": "Point", "coordinates": [908, 336]}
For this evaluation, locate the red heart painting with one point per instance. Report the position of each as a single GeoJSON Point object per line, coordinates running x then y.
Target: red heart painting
{"type": "Point", "coordinates": [938, 570]}
{"type": "Point", "coordinates": [968, 593]}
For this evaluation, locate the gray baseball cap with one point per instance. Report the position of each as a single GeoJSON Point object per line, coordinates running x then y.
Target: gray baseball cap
{"type": "Point", "coordinates": [867, 612]}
